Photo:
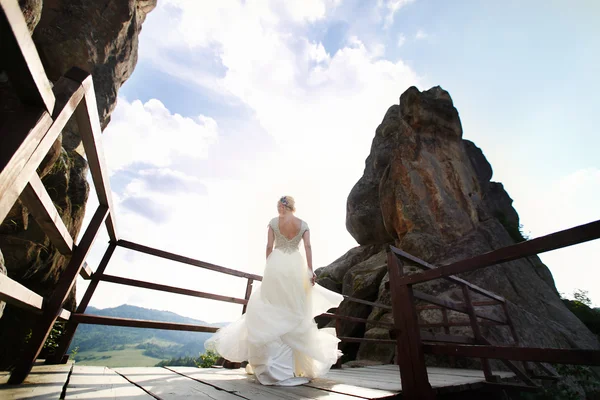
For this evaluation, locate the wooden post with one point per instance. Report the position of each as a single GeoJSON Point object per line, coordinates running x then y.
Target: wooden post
{"type": "Point", "coordinates": [485, 364]}
{"type": "Point", "coordinates": [411, 360]}
{"type": "Point", "coordinates": [247, 295]}
{"type": "Point", "coordinates": [54, 305]}
{"type": "Point", "coordinates": [515, 337]}
{"type": "Point", "coordinates": [447, 332]}
{"type": "Point", "coordinates": [71, 327]}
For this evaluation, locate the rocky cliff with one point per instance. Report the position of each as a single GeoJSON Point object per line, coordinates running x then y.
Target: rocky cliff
{"type": "Point", "coordinates": [428, 191]}
{"type": "Point", "coordinates": [100, 37]}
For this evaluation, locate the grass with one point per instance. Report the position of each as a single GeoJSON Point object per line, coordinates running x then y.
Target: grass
{"type": "Point", "coordinates": [129, 357]}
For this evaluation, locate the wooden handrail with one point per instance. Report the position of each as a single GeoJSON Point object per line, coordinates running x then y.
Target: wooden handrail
{"type": "Point", "coordinates": [368, 303]}
{"type": "Point", "coordinates": [186, 260]}
{"type": "Point", "coordinates": [553, 241]}
{"type": "Point", "coordinates": [356, 319]}
{"type": "Point", "coordinates": [139, 323]}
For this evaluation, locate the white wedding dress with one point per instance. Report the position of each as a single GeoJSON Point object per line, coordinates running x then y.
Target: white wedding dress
{"type": "Point", "coordinates": [278, 335]}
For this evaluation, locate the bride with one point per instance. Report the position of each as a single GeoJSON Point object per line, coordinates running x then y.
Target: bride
{"type": "Point", "coordinates": [278, 335]}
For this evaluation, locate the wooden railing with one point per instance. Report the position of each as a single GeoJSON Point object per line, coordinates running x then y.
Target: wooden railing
{"type": "Point", "coordinates": [27, 136]}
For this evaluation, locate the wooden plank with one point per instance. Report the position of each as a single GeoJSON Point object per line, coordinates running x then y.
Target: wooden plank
{"type": "Point", "coordinates": [53, 307]}
{"type": "Point", "coordinates": [88, 122]}
{"type": "Point", "coordinates": [64, 315]}
{"type": "Point", "coordinates": [485, 364]}
{"type": "Point", "coordinates": [71, 327]}
{"type": "Point", "coordinates": [139, 323]}
{"type": "Point", "coordinates": [40, 205]}
{"type": "Point", "coordinates": [475, 303]}
{"type": "Point", "coordinates": [101, 383]}
{"type": "Point", "coordinates": [170, 289]}
{"type": "Point", "coordinates": [21, 59]}
{"type": "Point", "coordinates": [351, 390]}
{"type": "Point", "coordinates": [186, 260]}
{"type": "Point", "coordinates": [44, 382]}
{"type": "Point", "coordinates": [360, 320]}
{"type": "Point", "coordinates": [553, 356]}
{"type": "Point", "coordinates": [554, 241]}
{"type": "Point", "coordinates": [424, 265]}
{"type": "Point", "coordinates": [164, 383]}
{"type": "Point", "coordinates": [239, 383]}
{"type": "Point", "coordinates": [35, 142]}
{"type": "Point", "coordinates": [453, 306]}
{"type": "Point", "coordinates": [458, 323]}
{"type": "Point", "coordinates": [368, 303]}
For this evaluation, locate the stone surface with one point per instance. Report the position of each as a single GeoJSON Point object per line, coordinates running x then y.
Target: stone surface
{"type": "Point", "coordinates": [430, 192]}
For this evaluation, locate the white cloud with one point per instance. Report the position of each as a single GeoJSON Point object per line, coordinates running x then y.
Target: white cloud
{"type": "Point", "coordinates": [389, 8]}
{"type": "Point", "coordinates": [421, 34]}
{"type": "Point", "coordinates": [150, 133]}
{"type": "Point", "coordinates": [401, 39]}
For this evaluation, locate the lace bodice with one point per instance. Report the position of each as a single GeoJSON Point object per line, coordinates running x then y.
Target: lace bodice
{"type": "Point", "coordinates": [284, 244]}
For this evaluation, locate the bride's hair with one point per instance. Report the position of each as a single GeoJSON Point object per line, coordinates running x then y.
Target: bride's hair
{"type": "Point", "coordinates": [288, 202]}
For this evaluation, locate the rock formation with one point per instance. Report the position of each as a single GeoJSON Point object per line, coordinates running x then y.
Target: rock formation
{"type": "Point", "coordinates": [99, 37]}
{"type": "Point", "coordinates": [428, 191]}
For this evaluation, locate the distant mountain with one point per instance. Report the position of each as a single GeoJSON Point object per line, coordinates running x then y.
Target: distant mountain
{"type": "Point", "coordinates": [156, 343]}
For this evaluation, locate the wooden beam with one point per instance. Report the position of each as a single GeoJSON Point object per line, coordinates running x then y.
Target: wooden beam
{"type": "Point", "coordinates": [426, 266]}
{"type": "Point", "coordinates": [71, 327]}
{"type": "Point", "coordinates": [86, 272]}
{"type": "Point", "coordinates": [554, 356]}
{"type": "Point", "coordinates": [186, 260]}
{"type": "Point", "coordinates": [52, 308]}
{"type": "Point", "coordinates": [365, 340]}
{"type": "Point", "coordinates": [443, 337]}
{"type": "Point", "coordinates": [88, 122]}
{"type": "Point", "coordinates": [485, 364]}
{"type": "Point", "coordinates": [139, 323]}
{"type": "Point", "coordinates": [457, 324]}
{"type": "Point", "coordinates": [170, 289]}
{"type": "Point", "coordinates": [475, 303]}
{"type": "Point", "coordinates": [356, 319]}
{"type": "Point", "coordinates": [40, 205]}
{"type": "Point", "coordinates": [368, 303]}
{"type": "Point", "coordinates": [460, 307]}
{"type": "Point", "coordinates": [247, 294]}
{"type": "Point", "coordinates": [12, 292]}
{"type": "Point", "coordinates": [21, 59]}
{"type": "Point", "coordinates": [34, 141]}
{"type": "Point", "coordinates": [554, 241]}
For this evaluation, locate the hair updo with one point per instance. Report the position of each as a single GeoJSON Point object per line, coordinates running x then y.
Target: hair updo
{"type": "Point", "coordinates": [288, 202]}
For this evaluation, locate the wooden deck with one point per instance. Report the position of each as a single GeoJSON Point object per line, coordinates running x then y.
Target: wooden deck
{"type": "Point", "coordinates": [84, 382]}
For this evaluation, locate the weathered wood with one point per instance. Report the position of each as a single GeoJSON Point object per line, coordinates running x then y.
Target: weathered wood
{"type": "Point", "coordinates": [88, 122]}
{"type": "Point", "coordinates": [71, 327]}
{"type": "Point", "coordinates": [512, 366]}
{"type": "Point", "coordinates": [453, 306]}
{"type": "Point", "coordinates": [53, 307]}
{"type": "Point", "coordinates": [351, 390]}
{"type": "Point", "coordinates": [246, 386]}
{"type": "Point", "coordinates": [40, 205]}
{"type": "Point", "coordinates": [139, 323]}
{"type": "Point", "coordinates": [446, 325]}
{"type": "Point", "coordinates": [88, 382]}
{"type": "Point", "coordinates": [186, 260]}
{"type": "Point", "coordinates": [554, 241]}
{"type": "Point", "coordinates": [44, 382]}
{"type": "Point", "coordinates": [415, 383]}
{"type": "Point", "coordinates": [475, 303]}
{"type": "Point", "coordinates": [164, 383]}
{"type": "Point", "coordinates": [554, 356]}
{"type": "Point", "coordinates": [514, 334]}
{"type": "Point", "coordinates": [356, 319]}
{"type": "Point", "coordinates": [449, 324]}
{"type": "Point", "coordinates": [368, 303]}
{"type": "Point", "coordinates": [424, 265]}
{"type": "Point", "coordinates": [20, 58]}
{"type": "Point", "coordinates": [35, 142]}
{"type": "Point", "coordinates": [169, 289]}
{"type": "Point", "coordinates": [247, 295]}
{"type": "Point", "coordinates": [485, 364]}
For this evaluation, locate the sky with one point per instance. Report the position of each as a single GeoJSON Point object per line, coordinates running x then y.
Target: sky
{"type": "Point", "coordinates": [235, 103]}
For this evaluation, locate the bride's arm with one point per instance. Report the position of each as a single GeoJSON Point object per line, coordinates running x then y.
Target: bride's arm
{"type": "Point", "coordinates": [308, 248]}
{"type": "Point", "coordinates": [270, 241]}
